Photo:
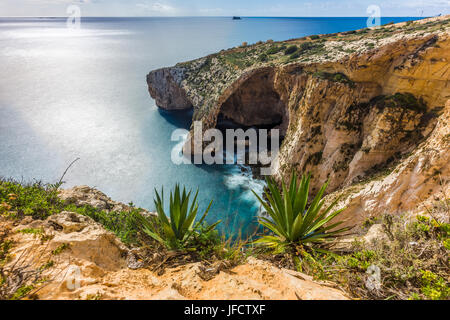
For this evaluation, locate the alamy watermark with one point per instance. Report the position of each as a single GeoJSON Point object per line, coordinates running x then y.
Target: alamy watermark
{"type": "Point", "coordinates": [212, 147]}
{"type": "Point", "coordinates": [374, 19]}
{"type": "Point", "coordinates": [73, 278]}
{"type": "Point", "coordinates": [373, 282]}
{"type": "Point", "coordinates": [74, 17]}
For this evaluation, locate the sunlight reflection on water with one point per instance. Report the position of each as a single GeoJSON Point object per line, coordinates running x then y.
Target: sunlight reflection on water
{"type": "Point", "coordinates": [82, 93]}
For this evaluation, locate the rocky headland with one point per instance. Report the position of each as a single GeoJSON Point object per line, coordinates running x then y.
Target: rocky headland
{"type": "Point", "coordinates": [367, 110]}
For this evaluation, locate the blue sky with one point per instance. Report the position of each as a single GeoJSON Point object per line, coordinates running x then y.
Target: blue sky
{"type": "Point", "coordinates": [297, 8]}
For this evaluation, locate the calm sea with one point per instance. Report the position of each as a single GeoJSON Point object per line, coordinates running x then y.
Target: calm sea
{"type": "Point", "coordinates": [82, 93]}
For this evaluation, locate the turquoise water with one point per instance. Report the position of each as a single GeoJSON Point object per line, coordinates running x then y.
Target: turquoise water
{"type": "Point", "coordinates": [82, 93]}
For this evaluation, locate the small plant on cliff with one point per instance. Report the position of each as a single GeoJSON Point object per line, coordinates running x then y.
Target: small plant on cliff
{"type": "Point", "coordinates": [290, 50]}
{"type": "Point", "coordinates": [263, 57]}
{"type": "Point", "coordinates": [293, 222]}
{"type": "Point", "coordinates": [174, 231]}
{"type": "Point", "coordinates": [34, 199]}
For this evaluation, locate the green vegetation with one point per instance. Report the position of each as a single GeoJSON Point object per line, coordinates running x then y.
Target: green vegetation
{"type": "Point", "coordinates": [294, 56]}
{"type": "Point", "coordinates": [5, 246]}
{"type": "Point", "coordinates": [97, 296]}
{"type": "Point", "coordinates": [123, 223]}
{"type": "Point", "coordinates": [60, 249]}
{"type": "Point", "coordinates": [31, 231]}
{"type": "Point", "coordinates": [412, 261]}
{"type": "Point", "coordinates": [292, 221]}
{"type": "Point", "coordinates": [412, 257]}
{"type": "Point", "coordinates": [403, 100]}
{"type": "Point", "coordinates": [175, 231]}
{"type": "Point", "coordinates": [18, 280]}
{"type": "Point", "coordinates": [273, 50]}
{"type": "Point", "coordinates": [40, 201]}
{"type": "Point", "coordinates": [336, 77]}
{"type": "Point", "coordinates": [37, 200]}
{"type": "Point", "coordinates": [39, 233]}
{"type": "Point", "coordinates": [22, 292]}
{"type": "Point", "coordinates": [263, 57]}
{"type": "Point", "coordinates": [242, 59]}
{"type": "Point", "coordinates": [310, 49]}
{"type": "Point", "coordinates": [204, 242]}
{"type": "Point", "coordinates": [290, 50]}
{"type": "Point", "coordinates": [306, 46]}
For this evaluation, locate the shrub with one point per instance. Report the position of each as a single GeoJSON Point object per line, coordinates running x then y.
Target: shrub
{"type": "Point", "coordinates": [290, 50]}
{"type": "Point", "coordinates": [294, 56]}
{"type": "Point", "coordinates": [35, 199]}
{"type": "Point", "coordinates": [273, 50]}
{"type": "Point", "coordinates": [336, 77]}
{"type": "Point", "coordinates": [292, 221]}
{"type": "Point", "coordinates": [263, 57]}
{"type": "Point", "coordinates": [176, 231]}
{"type": "Point", "coordinates": [403, 100]}
{"type": "Point", "coordinates": [306, 46]}
{"type": "Point", "coordinates": [413, 261]}
{"type": "Point", "coordinates": [24, 277]}
{"type": "Point", "coordinates": [125, 225]}
{"type": "Point", "coordinates": [41, 200]}
{"type": "Point", "coordinates": [314, 37]}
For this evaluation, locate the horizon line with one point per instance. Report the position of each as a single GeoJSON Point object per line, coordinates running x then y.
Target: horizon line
{"type": "Point", "coordinates": [88, 16]}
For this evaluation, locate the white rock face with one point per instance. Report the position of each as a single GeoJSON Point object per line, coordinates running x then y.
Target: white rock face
{"type": "Point", "coordinates": [93, 264]}
{"type": "Point", "coordinates": [164, 87]}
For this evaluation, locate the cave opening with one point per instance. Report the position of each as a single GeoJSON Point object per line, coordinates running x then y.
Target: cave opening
{"type": "Point", "coordinates": [255, 104]}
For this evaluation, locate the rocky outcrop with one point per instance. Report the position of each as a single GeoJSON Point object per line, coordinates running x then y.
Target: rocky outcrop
{"type": "Point", "coordinates": [84, 195]}
{"type": "Point", "coordinates": [366, 110]}
{"type": "Point", "coordinates": [412, 185]}
{"type": "Point", "coordinates": [166, 91]}
{"type": "Point", "coordinates": [81, 260]}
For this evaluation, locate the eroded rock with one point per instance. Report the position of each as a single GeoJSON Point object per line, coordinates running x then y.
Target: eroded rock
{"type": "Point", "coordinates": [84, 195]}
{"type": "Point", "coordinates": [91, 263]}
{"type": "Point", "coordinates": [367, 114]}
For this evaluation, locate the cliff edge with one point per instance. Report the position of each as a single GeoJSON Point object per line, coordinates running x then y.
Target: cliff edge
{"type": "Point", "coordinates": [69, 256]}
{"type": "Point", "coordinates": [367, 110]}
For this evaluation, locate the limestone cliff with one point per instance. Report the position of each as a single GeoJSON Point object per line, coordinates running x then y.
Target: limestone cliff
{"type": "Point", "coordinates": [367, 110]}
{"type": "Point", "coordinates": [76, 258]}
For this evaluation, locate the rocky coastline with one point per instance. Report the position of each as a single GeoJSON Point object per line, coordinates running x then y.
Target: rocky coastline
{"type": "Point", "coordinates": [366, 110]}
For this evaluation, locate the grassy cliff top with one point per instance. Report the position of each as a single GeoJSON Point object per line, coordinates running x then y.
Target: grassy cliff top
{"type": "Point", "coordinates": [320, 48]}
{"type": "Point", "coordinates": [206, 78]}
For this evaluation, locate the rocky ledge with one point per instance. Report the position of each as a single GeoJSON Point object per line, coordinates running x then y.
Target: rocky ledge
{"type": "Point", "coordinates": [81, 260]}
{"type": "Point", "coordinates": [85, 195]}
{"type": "Point", "coordinates": [367, 110]}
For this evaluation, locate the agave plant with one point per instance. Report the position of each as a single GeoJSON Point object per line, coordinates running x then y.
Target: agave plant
{"type": "Point", "coordinates": [175, 230]}
{"type": "Point", "coordinates": [292, 220]}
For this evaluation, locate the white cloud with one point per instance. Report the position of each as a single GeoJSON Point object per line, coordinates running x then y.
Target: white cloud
{"type": "Point", "coordinates": [157, 8]}
{"type": "Point", "coordinates": [211, 11]}
{"type": "Point", "coordinates": [418, 4]}
{"type": "Point", "coordinates": [61, 1]}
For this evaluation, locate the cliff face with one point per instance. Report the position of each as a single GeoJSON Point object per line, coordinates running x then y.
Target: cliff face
{"type": "Point", "coordinates": [367, 110]}
{"type": "Point", "coordinates": [78, 259]}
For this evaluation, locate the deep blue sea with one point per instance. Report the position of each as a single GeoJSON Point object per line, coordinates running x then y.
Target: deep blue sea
{"type": "Point", "coordinates": [82, 93]}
